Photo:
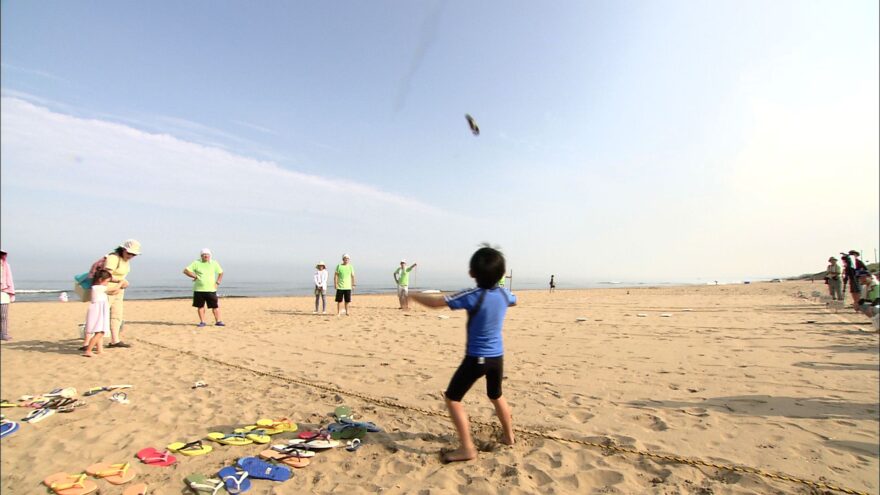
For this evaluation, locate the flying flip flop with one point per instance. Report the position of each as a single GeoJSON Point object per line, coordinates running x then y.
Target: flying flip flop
{"type": "Point", "coordinates": [472, 124]}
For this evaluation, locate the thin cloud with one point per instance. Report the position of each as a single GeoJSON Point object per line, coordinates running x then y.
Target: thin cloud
{"type": "Point", "coordinates": [255, 127]}
{"type": "Point", "coordinates": [50, 151]}
{"type": "Point", "coordinates": [35, 72]}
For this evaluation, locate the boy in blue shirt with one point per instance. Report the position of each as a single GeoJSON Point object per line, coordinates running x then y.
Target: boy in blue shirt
{"type": "Point", "coordinates": [486, 306]}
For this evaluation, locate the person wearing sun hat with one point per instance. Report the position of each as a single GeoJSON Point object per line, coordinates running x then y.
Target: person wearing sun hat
{"type": "Point", "coordinates": [343, 280]}
{"type": "Point", "coordinates": [207, 274]}
{"type": "Point", "coordinates": [832, 278]}
{"type": "Point", "coordinates": [320, 279]}
{"type": "Point", "coordinates": [117, 263]}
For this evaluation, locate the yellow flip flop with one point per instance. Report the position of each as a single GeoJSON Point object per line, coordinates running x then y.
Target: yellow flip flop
{"type": "Point", "coordinates": [70, 484]}
{"type": "Point", "coordinates": [230, 439]}
{"type": "Point", "coordinates": [116, 474]}
{"type": "Point", "coordinates": [281, 425]}
{"type": "Point", "coordinates": [191, 448]}
{"type": "Point", "coordinates": [257, 435]}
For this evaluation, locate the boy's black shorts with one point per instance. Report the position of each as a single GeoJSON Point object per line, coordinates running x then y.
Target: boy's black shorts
{"type": "Point", "coordinates": [470, 370]}
{"type": "Point", "coordinates": [343, 294]}
{"type": "Point", "coordinates": [200, 298]}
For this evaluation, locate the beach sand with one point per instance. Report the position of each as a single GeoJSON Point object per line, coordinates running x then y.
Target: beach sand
{"type": "Point", "coordinates": [746, 375]}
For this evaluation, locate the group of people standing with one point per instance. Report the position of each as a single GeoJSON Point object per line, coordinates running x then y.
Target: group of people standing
{"type": "Point", "coordinates": [343, 281]}
{"type": "Point", "coordinates": [854, 275]}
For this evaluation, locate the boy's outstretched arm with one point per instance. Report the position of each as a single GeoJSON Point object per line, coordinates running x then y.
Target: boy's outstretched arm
{"type": "Point", "coordinates": [429, 300]}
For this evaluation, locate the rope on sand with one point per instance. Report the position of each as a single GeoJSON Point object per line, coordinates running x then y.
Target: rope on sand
{"type": "Point", "coordinates": [607, 447]}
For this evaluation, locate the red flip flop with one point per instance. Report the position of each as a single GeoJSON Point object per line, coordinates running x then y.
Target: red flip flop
{"type": "Point", "coordinates": [155, 457]}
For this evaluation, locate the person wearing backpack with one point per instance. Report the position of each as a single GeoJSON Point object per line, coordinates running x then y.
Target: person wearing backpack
{"type": "Point", "coordinates": [117, 263]}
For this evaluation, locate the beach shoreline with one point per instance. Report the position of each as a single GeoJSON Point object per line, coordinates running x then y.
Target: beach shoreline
{"type": "Point", "coordinates": [759, 375]}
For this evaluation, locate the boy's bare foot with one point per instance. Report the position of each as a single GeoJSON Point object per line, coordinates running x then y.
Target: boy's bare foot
{"type": "Point", "coordinates": [87, 355]}
{"type": "Point", "coordinates": [507, 440]}
{"type": "Point", "coordinates": [460, 454]}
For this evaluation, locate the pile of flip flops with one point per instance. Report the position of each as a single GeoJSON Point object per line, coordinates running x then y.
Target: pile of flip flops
{"type": "Point", "coordinates": [274, 463]}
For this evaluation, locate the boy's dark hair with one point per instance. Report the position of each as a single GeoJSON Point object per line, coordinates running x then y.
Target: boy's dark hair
{"type": "Point", "coordinates": [102, 275]}
{"type": "Point", "coordinates": [487, 267]}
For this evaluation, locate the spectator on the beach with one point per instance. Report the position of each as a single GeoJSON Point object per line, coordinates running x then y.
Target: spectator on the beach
{"type": "Point", "coordinates": [7, 295]}
{"type": "Point", "coordinates": [401, 278]}
{"type": "Point", "coordinates": [832, 278]}
{"type": "Point", "coordinates": [869, 302]}
{"type": "Point", "coordinates": [849, 275]}
{"type": "Point", "coordinates": [552, 284]}
{"type": "Point", "coordinates": [484, 356]}
{"type": "Point", "coordinates": [344, 282]}
{"type": "Point", "coordinates": [320, 279]}
{"type": "Point", "coordinates": [98, 315]}
{"type": "Point", "coordinates": [117, 263]}
{"type": "Point", "coordinates": [207, 275]}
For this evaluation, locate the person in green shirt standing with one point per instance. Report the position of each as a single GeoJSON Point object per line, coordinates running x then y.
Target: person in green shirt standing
{"type": "Point", "coordinates": [344, 281]}
{"type": "Point", "coordinates": [207, 275]}
{"type": "Point", "coordinates": [401, 277]}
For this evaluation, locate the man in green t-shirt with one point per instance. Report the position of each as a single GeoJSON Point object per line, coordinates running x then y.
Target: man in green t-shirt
{"type": "Point", "coordinates": [401, 278]}
{"type": "Point", "coordinates": [207, 275]}
{"type": "Point", "coordinates": [343, 279]}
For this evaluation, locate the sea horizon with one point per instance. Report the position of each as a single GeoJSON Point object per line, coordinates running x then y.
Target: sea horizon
{"type": "Point", "coordinates": [49, 290]}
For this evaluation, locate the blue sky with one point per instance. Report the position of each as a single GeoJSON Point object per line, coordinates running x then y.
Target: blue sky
{"type": "Point", "coordinates": [629, 140]}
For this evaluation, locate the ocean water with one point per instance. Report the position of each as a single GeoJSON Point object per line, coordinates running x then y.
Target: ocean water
{"type": "Point", "coordinates": [50, 290]}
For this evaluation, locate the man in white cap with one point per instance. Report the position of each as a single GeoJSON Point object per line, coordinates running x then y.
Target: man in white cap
{"type": "Point", "coordinates": [207, 275]}
{"type": "Point", "coordinates": [401, 278]}
{"type": "Point", "coordinates": [343, 280]}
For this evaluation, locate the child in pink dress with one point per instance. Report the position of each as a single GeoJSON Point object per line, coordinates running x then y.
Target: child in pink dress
{"type": "Point", "coordinates": [98, 317]}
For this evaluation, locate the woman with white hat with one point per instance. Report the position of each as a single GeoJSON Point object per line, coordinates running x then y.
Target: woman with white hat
{"type": "Point", "coordinates": [117, 263]}
{"type": "Point", "coordinates": [320, 278]}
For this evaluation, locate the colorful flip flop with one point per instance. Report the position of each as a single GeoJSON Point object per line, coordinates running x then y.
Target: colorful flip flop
{"type": "Point", "coordinates": [136, 489]}
{"type": "Point", "coordinates": [116, 474]}
{"type": "Point", "coordinates": [235, 481]}
{"type": "Point", "coordinates": [371, 427]}
{"type": "Point", "coordinates": [70, 484]}
{"type": "Point", "coordinates": [316, 444]}
{"type": "Point", "coordinates": [293, 459]}
{"type": "Point", "coordinates": [348, 432]}
{"type": "Point", "coordinates": [281, 425]}
{"type": "Point", "coordinates": [191, 448]}
{"type": "Point", "coordinates": [154, 457]}
{"type": "Point", "coordinates": [259, 469]}
{"type": "Point", "coordinates": [8, 428]}
{"type": "Point", "coordinates": [342, 412]}
{"type": "Point", "coordinates": [229, 439]}
{"type": "Point", "coordinates": [62, 392]}
{"type": "Point", "coordinates": [200, 483]}
{"type": "Point", "coordinates": [38, 415]}
{"type": "Point", "coordinates": [293, 449]}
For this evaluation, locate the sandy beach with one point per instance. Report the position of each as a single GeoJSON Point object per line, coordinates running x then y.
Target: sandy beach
{"type": "Point", "coordinates": [737, 375]}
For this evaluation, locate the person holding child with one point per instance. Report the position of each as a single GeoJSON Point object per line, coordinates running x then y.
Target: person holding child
{"type": "Point", "coordinates": [486, 307]}
{"type": "Point", "coordinates": [117, 263]}
{"type": "Point", "coordinates": [98, 315]}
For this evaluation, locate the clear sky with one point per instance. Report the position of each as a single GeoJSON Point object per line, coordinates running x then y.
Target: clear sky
{"type": "Point", "coordinates": [621, 140]}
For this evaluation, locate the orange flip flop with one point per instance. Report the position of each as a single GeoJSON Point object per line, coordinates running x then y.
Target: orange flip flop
{"type": "Point", "coordinates": [136, 489]}
{"type": "Point", "coordinates": [291, 460]}
{"type": "Point", "coordinates": [70, 484]}
{"type": "Point", "coordinates": [116, 474]}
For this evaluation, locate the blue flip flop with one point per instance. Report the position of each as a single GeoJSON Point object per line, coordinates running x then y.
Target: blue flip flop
{"type": "Point", "coordinates": [8, 428]}
{"type": "Point", "coordinates": [235, 481]}
{"type": "Point", "coordinates": [260, 469]}
{"type": "Point", "coordinates": [370, 426]}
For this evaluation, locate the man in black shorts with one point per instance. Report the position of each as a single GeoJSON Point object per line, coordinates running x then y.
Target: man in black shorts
{"type": "Point", "coordinates": [207, 275]}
